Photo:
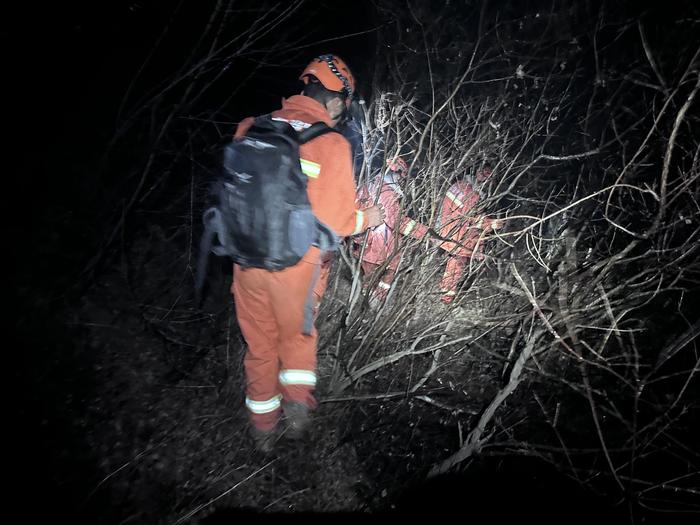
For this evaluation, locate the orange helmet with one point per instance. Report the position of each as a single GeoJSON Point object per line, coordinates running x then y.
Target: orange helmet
{"type": "Point", "coordinates": [332, 72]}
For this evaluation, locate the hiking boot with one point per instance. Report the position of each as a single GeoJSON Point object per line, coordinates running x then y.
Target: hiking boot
{"type": "Point", "coordinates": [297, 419]}
{"type": "Point", "coordinates": [263, 440]}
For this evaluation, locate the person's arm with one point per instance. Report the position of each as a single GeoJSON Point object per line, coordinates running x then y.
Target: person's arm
{"type": "Point", "coordinates": [333, 193]}
{"type": "Point", "coordinates": [412, 228]}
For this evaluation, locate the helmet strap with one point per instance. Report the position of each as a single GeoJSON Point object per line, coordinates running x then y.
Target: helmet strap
{"type": "Point", "coordinates": [328, 59]}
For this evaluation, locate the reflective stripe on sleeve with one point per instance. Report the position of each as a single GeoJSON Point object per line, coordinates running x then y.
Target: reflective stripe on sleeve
{"type": "Point", "coordinates": [454, 198]}
{"type": "Point", "coordinates": [264, 407]}
{"type": "Point", "coordinates": [384, 285]}
{"type": "Point", "coordinates": [359, 221]}
{"type": "Point", "coordinates": [310, 169]}
{"type": "Point", "coordinates": [409, 227]}
{"type": "Point", "coordinates": [297, 377]}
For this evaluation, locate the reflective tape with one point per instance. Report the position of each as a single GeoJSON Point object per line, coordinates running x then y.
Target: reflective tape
{"type": "Point", "coordinates": [359, 221]}
{"type": "Point", "coordinates": [297, 377]}
{"type": "Point", "coordinates": [384, 285]}
{"type": "Point", "coordinates": [298, 125]}
{"type": "Point", "coordinates": [264, 407]}
{"type": "Point", "coordinates": [448, 292]}
{"type": "Point", "coordinates": [409, 227]}
{"type": "Point", "coordinates": [310, 169]}
{"type": "Point", "coordinates": [454, 198]}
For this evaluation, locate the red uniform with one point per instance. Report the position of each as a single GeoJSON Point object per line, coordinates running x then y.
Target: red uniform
{"type": "Point", "coordinates": [456, 222]}
{"type": "Point", "coordinates": [275, 309]}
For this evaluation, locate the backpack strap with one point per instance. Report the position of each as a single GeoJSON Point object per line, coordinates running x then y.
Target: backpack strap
{"type": "Point", "coordinates": [315, 130]}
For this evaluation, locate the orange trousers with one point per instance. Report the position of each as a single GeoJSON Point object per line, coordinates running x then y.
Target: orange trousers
{"type": "Point", "coordinates": [275, 311]}
{"type": "Point", "coordinates": [454, 269]}
{"type": "Point", "coordinates": [453, 273]}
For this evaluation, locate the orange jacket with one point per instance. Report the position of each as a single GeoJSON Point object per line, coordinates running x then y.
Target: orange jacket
{"type": "Point", "coordinates": [327, 162]}
{"type": "Point", "coordinates": [380, 242]}
{"type": "Point", "coordinates": [458, 223]}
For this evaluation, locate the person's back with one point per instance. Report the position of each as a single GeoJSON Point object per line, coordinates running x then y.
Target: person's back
{"type": "Point", "coordinates": [457, 221]}
{"type": "Point", "coordinates": [332, 196]}
{"type": "Point", "coordinates": [380, 240]}
{"type": "Point", "coordinates": [275, 310]}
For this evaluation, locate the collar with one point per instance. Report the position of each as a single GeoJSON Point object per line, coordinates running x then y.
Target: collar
{"type": "Point", "coordinates": [312, 109]}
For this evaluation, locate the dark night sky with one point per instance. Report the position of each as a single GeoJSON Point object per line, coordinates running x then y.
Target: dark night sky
{"type": "Point", "coordinates": [76, 60]}
{"type": "Point", "coordinates": [71, 64]}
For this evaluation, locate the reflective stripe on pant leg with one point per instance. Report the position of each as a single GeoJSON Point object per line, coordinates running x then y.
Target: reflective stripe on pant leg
{"type": "Point", "coordinates": [264, 415]}
{"type": "Point", "coordinates": [298, 386]}
{"type": "Point", "coordinates": [297, 377]}
{"type": "Point", "coordinates": [296, 350]}
{"type": "Point", "coordinates": [264, 407]}
{"type": "Point", "coordinates": [259, 328]}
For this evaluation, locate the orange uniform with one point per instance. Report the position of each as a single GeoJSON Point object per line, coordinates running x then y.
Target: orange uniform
{"type": "Point", "coordinates": [457, 222]}
{"type": "Point", "coordinates": [275, 310]}
{"type": "Point", "coordinates": [382, 239]}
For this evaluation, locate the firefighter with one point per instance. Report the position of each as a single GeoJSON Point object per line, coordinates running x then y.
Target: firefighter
{"type": "Point", "coordinates": [457, 222]}
{"type": "Point", "coordinates": [275, 309]}
{"type": "Point", "coordinates": [381, 240]}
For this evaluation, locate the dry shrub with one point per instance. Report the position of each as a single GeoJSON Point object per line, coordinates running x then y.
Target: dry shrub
{"type": "Point", "coordinates": [574, 340]}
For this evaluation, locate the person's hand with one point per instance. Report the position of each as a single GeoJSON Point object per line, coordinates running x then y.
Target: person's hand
{"type": "Point", "coordinates": [497, 224]}
{"type": "Point", "coordinates": [375, 215]}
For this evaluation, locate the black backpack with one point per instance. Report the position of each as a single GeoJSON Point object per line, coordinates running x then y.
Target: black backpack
{"type": "Point", "coordinates": [262, 217]}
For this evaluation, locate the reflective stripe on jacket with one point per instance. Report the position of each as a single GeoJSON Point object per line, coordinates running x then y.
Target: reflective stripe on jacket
{"type": "Point", "coordinates": [456, 221]}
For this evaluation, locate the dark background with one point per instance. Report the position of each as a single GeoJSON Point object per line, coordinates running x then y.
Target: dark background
{"type": "Point", "coordinates": [67, 69]}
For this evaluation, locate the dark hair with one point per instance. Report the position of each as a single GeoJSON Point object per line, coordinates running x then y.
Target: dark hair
{"type": "Point", "coordinates": [314, 89]}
